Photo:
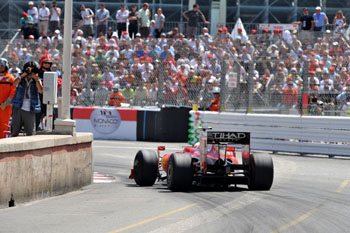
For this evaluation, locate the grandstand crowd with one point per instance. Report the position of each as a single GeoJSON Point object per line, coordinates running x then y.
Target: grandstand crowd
{"type": "Point", "coordinates": [140, 64]}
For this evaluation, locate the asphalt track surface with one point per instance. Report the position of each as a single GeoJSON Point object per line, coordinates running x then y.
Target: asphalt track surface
{"type": "Point", "coordinates": [310, 194]}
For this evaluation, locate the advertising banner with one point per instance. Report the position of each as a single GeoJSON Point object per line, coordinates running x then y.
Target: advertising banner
{"type": "Point", "coordinates": [273, 27]}
{"type": "Point", "coordinates": [107, 123]}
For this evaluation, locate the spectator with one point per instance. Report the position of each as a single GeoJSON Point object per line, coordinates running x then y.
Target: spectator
{"type": "Point", "coordinates": [159, 21]}
{"type": "Point", "coordinates": [76, 31]}
{"type": "Point", "coordinates": [55, 13]}
{"type": "Point", "coordinates": [141, 95]}
{"type": "Point", "coordinates": [100, 58]}
{"type": "Point", "coordinates": [57, 35]}
{"type": "Point", "coordinates": [7, 93]}
{"type": "Point", "coordinates": [87, 96]}
{"type": "Point", "coordinates": [306, 21]}
{"type": "Point", "coordinates": [101, 95]}
{"type": "Point", "coordinates": [315, 104]}
{"type": "Point", "coordinates": [152, 32]}
{"type": "Point", "coordinates": [107, 75]}
{"type": "Point", "coordinates": [26, 102]}
{"type": "Point", "coordinates": [133, 21]}
{"type": "Point", "coordinates": [180, 93]}
{"type": "Point", "coordinates": [24, 22]}
{"type": "Point", "coordinates": [320, 21]}
{"type": "Point", "coordinates": [128, 93]}
{"type": "Point", "coordinates": [102, 15]}
{"type": "Point", "coordinates": [44, 14]}
{"type": "Point", "coordinates": [26, 56]}
{"type": "Point", "coordinates": [143, 16]}
{"type": "Point", "coordinates": [14, 70]}
{"type": "Point", "coordinates": [206, 95]}
{"type": "Point", "coordinates": [87, 16]}
{"type": "Point", "coordinates": [33, 11]}
{"type": "Point", "coordinates": [173, 33]}
{"type": "Point", "coordinates": [339, 23]}
{"type": "Point", "coordinates": [31, 30]}
{"type": "Point", "coordinates": [192, 17]}
{"type": "Point", "coordinates": [122, 19]}
{"type": "Point", "coordinates": [109, 33]}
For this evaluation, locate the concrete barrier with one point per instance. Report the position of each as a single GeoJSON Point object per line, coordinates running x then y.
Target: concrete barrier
{"type": "Point", "coordinates": [41, 166]}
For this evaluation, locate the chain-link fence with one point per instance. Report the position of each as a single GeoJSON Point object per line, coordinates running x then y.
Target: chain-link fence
{"type": "Point", "coordinates": [269, 72]}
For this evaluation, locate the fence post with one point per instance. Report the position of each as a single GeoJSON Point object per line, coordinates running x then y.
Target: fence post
{"type": "Point", "coordinates": [305, 91]}
{"type": "Point", "coordinates": [223, 86]}
{"type": "Point", "coordinates": [250, 87]}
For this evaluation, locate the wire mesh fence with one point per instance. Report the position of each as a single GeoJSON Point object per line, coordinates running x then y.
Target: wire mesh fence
{"type": "Point", "coordinates": [267, 72]}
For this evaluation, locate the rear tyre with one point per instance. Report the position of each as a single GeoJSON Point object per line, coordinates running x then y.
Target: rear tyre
{"type": "Point", "coordinates": [145, 167]}
{"type": "Point", "coordinates": [179, 173]}
{"type": "Point", "coordinates": [261, 172]}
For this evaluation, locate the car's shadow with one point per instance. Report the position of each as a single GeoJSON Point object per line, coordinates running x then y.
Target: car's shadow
{"type": "Point", "coordinates": [163, 188]}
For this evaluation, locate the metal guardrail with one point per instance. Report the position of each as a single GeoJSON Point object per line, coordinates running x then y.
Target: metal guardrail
{"type": "Point", "coordinates": [283, 133]}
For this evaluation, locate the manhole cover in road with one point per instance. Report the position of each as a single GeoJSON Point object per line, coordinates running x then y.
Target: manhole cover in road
{"type": "Point", "coordinates": [103, 178]}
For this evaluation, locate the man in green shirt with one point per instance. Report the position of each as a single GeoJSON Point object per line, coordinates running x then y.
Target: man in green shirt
{"type": "Point", "coordinates": [144, 20]}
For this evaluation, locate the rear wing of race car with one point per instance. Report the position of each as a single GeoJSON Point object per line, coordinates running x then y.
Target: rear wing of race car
{"type": "Point", "coordinates": [223, 138]}
{"type": "Point", "coordinates": [217, 137]}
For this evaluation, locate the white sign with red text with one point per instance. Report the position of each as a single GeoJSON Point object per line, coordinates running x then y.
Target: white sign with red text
{"type": "Point", "coordinates": [231, 80]}
{"type": "Point", "coordinates": [107, 123]}
{"type": "Point", "coordinates": [273, 27]}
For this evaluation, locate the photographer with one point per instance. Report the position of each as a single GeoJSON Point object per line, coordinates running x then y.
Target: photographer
{"type": "Point", "coordinates": [26, 102]}
{"type": "Point", "coordinates": [55, 13]}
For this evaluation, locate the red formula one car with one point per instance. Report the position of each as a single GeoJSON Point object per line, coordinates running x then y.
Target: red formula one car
{"type": "Point", "coordinates": [212, 161]}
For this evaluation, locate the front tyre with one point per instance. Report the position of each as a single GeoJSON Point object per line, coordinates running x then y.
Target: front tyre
{"type": "Point", "coordinates": [145, 167]}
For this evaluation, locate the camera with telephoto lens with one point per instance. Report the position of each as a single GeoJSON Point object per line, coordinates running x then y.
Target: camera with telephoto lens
{"type": "Point", "coordinates": [32, 69]}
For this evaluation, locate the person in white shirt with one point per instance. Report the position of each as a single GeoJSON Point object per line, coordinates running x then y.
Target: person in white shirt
{"type": "Point", "coordinates": [146, 65]}
{"type": "Point", "coordinates": [127, 51]}
{"type": "Point", "coordinates": [159, 21]}
{"type": "Point", "coordinates": [76, 31]}
{"type": "Point", "coordinates": [122, 18]}
{"type": "Point", "coordinates": [55, 13]}
{"type": "Point", "coordinates": [44, 40]}
{"type": "Point", "coordinates": [87, 16]}
{"type": "Point", "coordinates": [57, 35]}
{"type": "Point", "coordinates": [33, 11]}
{"type": "Point", "coordinates": [44, 14]}
{"type": "Point", "coordinates": [113, 51]}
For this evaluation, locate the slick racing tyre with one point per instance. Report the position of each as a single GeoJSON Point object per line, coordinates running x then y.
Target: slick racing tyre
{"type": "Point", "coordinates": [145, 167]}
{"type": "Point", "coordinates": [179, 172]}
{"type": "Point", "coordinates": [261, 172]}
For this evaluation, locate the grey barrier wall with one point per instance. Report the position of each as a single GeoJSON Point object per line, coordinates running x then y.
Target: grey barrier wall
{"type": "Point", "coordinates": [41, 166]}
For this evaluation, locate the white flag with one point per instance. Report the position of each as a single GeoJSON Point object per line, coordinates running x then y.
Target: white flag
{"type": "Point", "coordinates": [235, 34]}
